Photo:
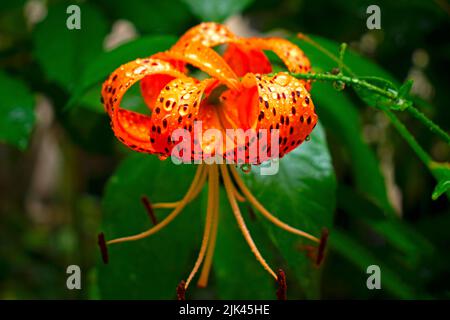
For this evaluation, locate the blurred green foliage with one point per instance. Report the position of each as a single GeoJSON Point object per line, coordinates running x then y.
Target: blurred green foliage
{"type": "Point", "coordinates": [363, 181]}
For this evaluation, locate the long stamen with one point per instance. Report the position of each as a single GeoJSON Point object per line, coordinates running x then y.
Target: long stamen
{"type": "Point", "coordinates": [251, 198]}
{"type": "Point", "coordinates": [213, 183]}
{"type": "Point", "coordinates": [240, 220]}
{"type": "Point", "coordinates": [239, 197]}
{"type": "Point", "coordinates": [166, 205]}
{"type": "Point", "coordinates": [169, 218]}
{"type": "Point", "coordinates": [195, 192]}
{"type": "Point", "coordinates": [149, 208]}
{"type": "Point", "coordinates": [204, 275]}
{"type": "Point", "coordinates": [199, 187]}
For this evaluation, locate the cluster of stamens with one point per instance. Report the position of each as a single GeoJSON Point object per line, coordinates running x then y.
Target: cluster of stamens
{"type": "Point", "coordinates": [236, 192]}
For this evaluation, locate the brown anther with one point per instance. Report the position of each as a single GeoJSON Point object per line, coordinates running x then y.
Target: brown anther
{"type": "Point", "coordinates": [103, 247]}
{"type": "Point", "coordinates": [148, 207]}
{"type": "Point", "coordinates": [322, 246]}
{"type": "Point", "coordinates": [181, 290]}
{"type": "Point", "coordinates": [282, 286]}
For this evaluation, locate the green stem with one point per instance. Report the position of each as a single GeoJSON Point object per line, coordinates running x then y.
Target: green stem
{"type": "Point", "coordinates": [351, 81]}
{"type": "Point", "coordinates": [329, 54]}
{"type": "Point", "coordinates": [391, 94]}
{"type": "Point", "coordinates": [430, 124]}
{"type": "Point", "coordinates": [421, 153]}
{"type": "Point", "coordinates": [395, 121]}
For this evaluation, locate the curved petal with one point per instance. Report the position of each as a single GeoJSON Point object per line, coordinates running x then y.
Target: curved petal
{"type": "Point", "coordinates": [293, 57]}
{"type": "Point", "coordinates": [131, 128]}
{"type": "Point", "coordinates": [152, 85]}
{"type": "Point", "coordinates": [244, 58]}
{"type": "Point", "coordinates": [209, 34]}
{"type": "Point", "coordinates": [289, 109]}
{"type": "Point", "coordinates": [177, 64]}
{"type": "Point", "coordinates": [207, 60]}
{"type": "Point", "coordinates": [268, 103]}
{"type": "Point", "coordinates": [177, 107]}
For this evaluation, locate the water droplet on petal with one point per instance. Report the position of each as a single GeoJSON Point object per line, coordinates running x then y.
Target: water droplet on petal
{"type": "Point", "coordinates": [139, 70]}
{"type": "Point", "coordinates": [183, 110]}
{"type": "Point", "coordinates": [281, 79]}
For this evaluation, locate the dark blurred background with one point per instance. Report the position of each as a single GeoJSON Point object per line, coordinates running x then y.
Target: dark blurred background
{"type": "Point", "coordinates": [51, 188]}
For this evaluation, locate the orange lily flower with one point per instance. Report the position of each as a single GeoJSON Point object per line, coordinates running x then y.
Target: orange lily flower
{"type": "Point", "coordinates": [240, 94]}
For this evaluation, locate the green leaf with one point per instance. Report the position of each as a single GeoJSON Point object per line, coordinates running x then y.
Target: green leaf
{"type": "Point", "coordinates": [377, 100]}
{"type": "Point", "coordinates": [412, 246]}
{"type": "Point", "coordinates": [360, 65]}
{"type": "Point", "coordinates": [152, 17]}
{"type": "Point", "coordinates": [16, 112]}
{"type": "Point", "coordinates": [150, 268]}
{"type": "Point", "coordinates": [216, 10]}
{"type": "Point", "coordinates": [63, 53]}
{"type": "Point", "coordinates": [301, 194]}
{"type": "Point", "coordinates": [98, 69]}
{"type": "Point", "coordinates": [236, 272]}
{"type": "Point", "coordinates": [371, 98]}
{"type": "Point", "coordinates": [336, 111]}
{"type": "Point", "coordinates": [352, 250]}
{"type": "Point", "coordinates": [405, 88]}
{"type": "Point", "coordinates": [441, 171]}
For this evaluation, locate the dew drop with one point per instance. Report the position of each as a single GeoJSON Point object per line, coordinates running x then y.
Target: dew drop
{"type": "Point", "coordinates": [183, 110]}
{"type": "Point", "coordinates": [246, 168]}
{"type": "Point", "coordinates": [139, 70]}
{"type": "Point", "coordinates": [162, 157]}
{"type": "Point", "coordinates": [307, 138]}
{"type": "Point", "coordinates": [282, 80]}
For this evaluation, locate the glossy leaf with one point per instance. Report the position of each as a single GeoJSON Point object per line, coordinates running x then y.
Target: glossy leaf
{"type": "Point", "coordinates": [301, 194]}
{"type": "Point", "coordinates": [98, 69]}
{"type": "Point", "coordinates": [16, 112]}
{"type": "Point", "coordinates": [150, 268]}
{"type": "Point", "coordinates": [337, 111]}
{"type": "Point", "coordinates": [57, 48]}
{"type": "Point", "coordinates": [236, 272]}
